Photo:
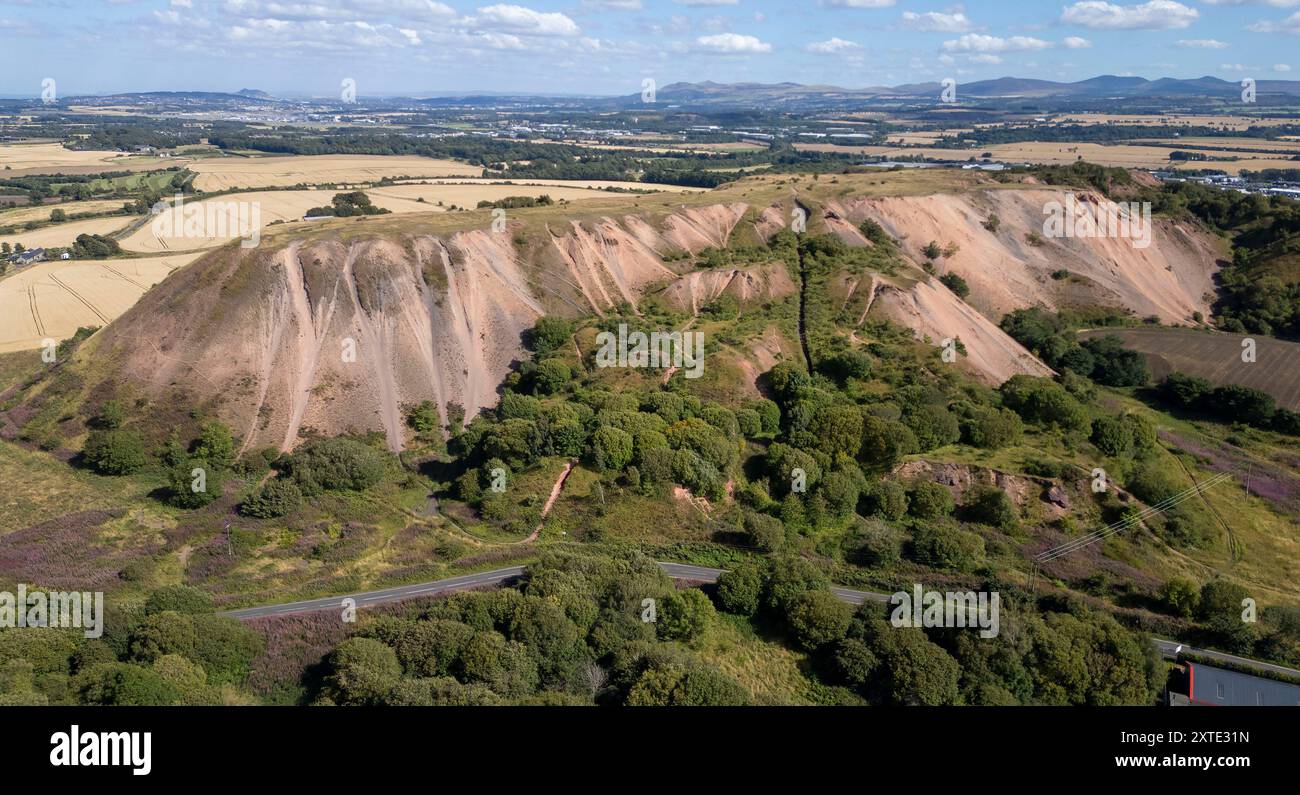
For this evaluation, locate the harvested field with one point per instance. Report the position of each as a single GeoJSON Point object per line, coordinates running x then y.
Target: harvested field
{"type": "Point", "coordinates": [64, 234]}
{"type": "Point", "coordinates": [215, 174]}
{"type": "Point", "coordinates": [1062, 153]}
{"type": "Point", "coordinates": [24, 215]}
{"type": "Point", "coordinates": [52, 155]}
{"type": "Point", "coordinates": [52, 299]}
{"type": "Point", "coordinates": [1217, 357]}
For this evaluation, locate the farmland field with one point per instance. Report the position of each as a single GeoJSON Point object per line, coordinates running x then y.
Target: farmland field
{"type": "Point", "coordinates": [215, 174]}
{"type": "Point", "coordinates": [24, 215]}
{"type": "Point", "coordinates": [65, 233]}
{"type": "Point", "coordinates": [1217, 357]}
{"type": "Point", "coordinates": [52, 299]}
{"type": "Point", "coordinates": [53, 156]}
{"type": "Point", "coordinates": [1062, 153]}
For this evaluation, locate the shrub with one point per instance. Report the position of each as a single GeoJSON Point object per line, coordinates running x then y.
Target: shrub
{"type": "Point", "coordinates": [932, 425]}
{"type": "Point", "coordinates": [336, 464]}
{"type": "Point", "coordinates": [944, 546]}
{"type": "Point", "coordinates": [817, 618]}
{"type": "Point", "coordinates": [992, 506]}
{"type": "Point", "coordinates": [740, 589]}
{"type": "Point", "coordinates": [115, 452]}
{"type": "Point", "coordinates": [277, 498]}
{"type": "Point", "coordinates": [887, 499]}
{"type": "Point", "coordinates": [1112, 435]}
{"type": "Point", "coordinates": [929, 500]}
{"type": "Point", "coordinates": [684, 615]}
{"type": "Point", "coordinates": [363, 670]}
{"type": "Point", "coordinates": [193, 484]}
{"type": "Point", "coordinates": [955, 283]}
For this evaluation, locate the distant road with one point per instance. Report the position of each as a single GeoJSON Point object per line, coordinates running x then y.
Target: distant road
{"type": "Point", "coordinates": [677, 571]}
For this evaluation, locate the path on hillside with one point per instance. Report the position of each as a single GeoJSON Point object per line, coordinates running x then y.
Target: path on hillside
{"type": "Point", "coordinates": [550, 501]}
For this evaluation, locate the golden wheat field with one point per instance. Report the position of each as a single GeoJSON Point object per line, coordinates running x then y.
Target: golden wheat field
{"type": "Point", "coordinates": [227, 173]}
{"type": "Point", "coordinates": [51, 300]}
{"type": "Point", "coordinates": [65, 233]}
{"type": "Point", "coordinates": [22, 215]}
{"type": "Point", "coordinates": [46, 154]}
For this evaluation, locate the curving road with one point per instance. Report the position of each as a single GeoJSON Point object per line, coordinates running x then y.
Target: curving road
{"type": "Point", "coordinates": [678, 571]}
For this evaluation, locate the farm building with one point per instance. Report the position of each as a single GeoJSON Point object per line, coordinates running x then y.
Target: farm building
{"type": "Point", "coordinates": [1204, 685]}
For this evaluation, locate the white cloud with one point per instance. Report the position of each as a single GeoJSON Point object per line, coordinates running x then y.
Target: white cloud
{"type": "Point", "coordinates": [1076, 43]}
{"type": "Point", "coordinates": [978, 42]}
{"type": "Point", "coordinates": [1202, 44]}
{"type": "Point", "coordinates": [517, 19]}
{"type": "Point", "coordinates": [858, 3]}
{"type": "Point", "coordinates": [1151, 15]}
{"type": "Point", "coordinates": [732, 43]}
{"type": "Point", "coordinates": [708, 2]}
{"type": "Point", "coordinates": [1236, 67]}
{"type": "Point", "coordinates": [985, 58]}
{"type": "Point", "coordinates": [612, 5]}
{"type": "Point", "coordinates": [1289, 25]}
{"type": "Point", "coordinates": [936, 21]}
{"type": "Point", "coordinates": [1281, 67]}
{"type": "Point", "coordinates": [833, 45]}
{"type": "Point", "coordinates": [1274, 3]}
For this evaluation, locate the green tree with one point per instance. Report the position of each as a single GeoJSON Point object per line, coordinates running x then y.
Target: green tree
{"type": "Point", "coordinates": [362, 671]}
{"type": "Point", "coordinates": [684, 615]}
{"type": "Point", "coordinates": [275, 499]}
{"type": "Point", "coordinates": [817, 618]}
{"type": "Point", "coordinates": [740, 589]}
{"type": "Point", "coordinates": [115, 452]}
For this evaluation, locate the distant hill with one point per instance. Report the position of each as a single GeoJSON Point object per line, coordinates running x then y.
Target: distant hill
{"type": "Point", "coordinates": [1102, 87]}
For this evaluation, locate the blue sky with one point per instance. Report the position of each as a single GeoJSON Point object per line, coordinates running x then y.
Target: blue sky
{"type": "Point", "coordinates": [610, 46]}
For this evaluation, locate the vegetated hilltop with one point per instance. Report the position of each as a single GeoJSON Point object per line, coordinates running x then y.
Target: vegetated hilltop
{"type": "Point", "coordinates": [334, 328]}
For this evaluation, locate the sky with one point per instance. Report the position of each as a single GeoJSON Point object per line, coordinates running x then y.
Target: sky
{"type": "Point", "coordinates": [606, 47]}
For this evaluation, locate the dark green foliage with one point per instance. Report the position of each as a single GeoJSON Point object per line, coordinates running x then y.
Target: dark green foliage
{"type": "Point", "coordinates": [887, 499]}
{"type": "Point", "coordinates": [194, 484]}
{"type": "Point", "coordinates": [1113, 436]}
{"type": "Point", "coordinates": [990, 428]}
{"type": "Point", "coordinates": [337, 464]}
{"type": "Point", "coordinates": [684, 615]}
{"type": "Point", "coordinates": [115, 452]}
{"type": "Point", "coordinates": [1113, 364]}
{"type": "Point", "coordinates": [929, 500]}
{"type": "Point", "coordinates": [1044, 402]}
{"type": "Point", "coordinates": [423, 417]}
{"type": "Point", "coordinates": [992, 506]}
{"type": "Point", "coordinates": [178, 598]}
{"type": "Point", "coordinates": [944, 546]}
{"type": "Point", "coordinates": [816, 618]}
{"type": "Point", "coordinates": [549, 333]}
{"type": "Point", "coordinates": [277, 498]}
{"type": "Point", "coordinates": [932, 425]}
{"type": "Point", "coordinates": [740, 589]}
{"type": "Point", "coordinates": [955, 283]}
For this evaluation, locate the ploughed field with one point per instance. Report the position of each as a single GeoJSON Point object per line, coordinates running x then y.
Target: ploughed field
{"type": "Point", "coordinates": [1218, 357]}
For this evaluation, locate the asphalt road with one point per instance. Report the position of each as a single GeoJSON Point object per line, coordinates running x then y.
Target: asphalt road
{"type": "Point", "coordinates": [678, 571]}
{"type": "Point", "coordinates": [1167, 648]}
